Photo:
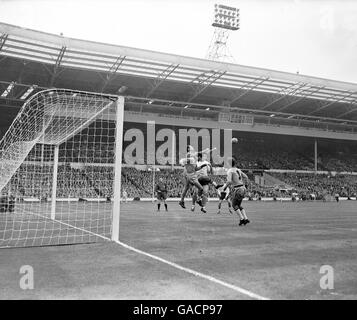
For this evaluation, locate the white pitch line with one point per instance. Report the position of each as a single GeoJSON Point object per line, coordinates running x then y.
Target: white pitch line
{"type": "Point", "coordinates": [172, 264]}
{"type": "Point", "coordinates": [196, 273]}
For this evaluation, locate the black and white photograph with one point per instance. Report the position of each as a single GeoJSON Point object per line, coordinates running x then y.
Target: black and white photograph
{"type": "Point", "coordinates": [170, 150]}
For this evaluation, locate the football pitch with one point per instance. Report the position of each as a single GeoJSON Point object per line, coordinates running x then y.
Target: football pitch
{"type": "Point", "coordinates": [181, 254]}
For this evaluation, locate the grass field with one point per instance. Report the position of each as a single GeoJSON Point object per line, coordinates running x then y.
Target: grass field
{"type": "Point", "coordinates": [277, 256]}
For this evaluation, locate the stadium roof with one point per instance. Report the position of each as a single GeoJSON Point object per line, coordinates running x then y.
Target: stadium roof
{"type": "Point", "coordinates": [32, 60]}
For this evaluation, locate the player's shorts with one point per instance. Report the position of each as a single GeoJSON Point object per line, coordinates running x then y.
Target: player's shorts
{"type": "Point", "coordinates": [161, 196]}
{"type": "Point", "coordinates": [204, 180]}
{"type": "Point", "coordinates": [237, 195]}
{"type": "Point", "coordinates": [222, 195]}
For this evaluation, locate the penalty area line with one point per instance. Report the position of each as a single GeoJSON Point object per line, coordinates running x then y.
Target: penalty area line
{"type": "Point", "coordinates": [196, 273]}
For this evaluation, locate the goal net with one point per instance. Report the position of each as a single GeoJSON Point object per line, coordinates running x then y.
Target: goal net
{"type": "Point", "coordinates": [60, 170]}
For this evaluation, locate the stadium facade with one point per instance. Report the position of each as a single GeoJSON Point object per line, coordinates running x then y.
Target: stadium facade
{"type": "Point", "coordinates": [177, 90]}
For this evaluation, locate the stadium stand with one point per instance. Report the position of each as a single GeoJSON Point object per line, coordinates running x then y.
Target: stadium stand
{"type": "Point", "coordinates": [321, 184]}
{"type": "Point", "coordinates": [255, 152]}
{"type": "Point", "coordinates": [138, 183]}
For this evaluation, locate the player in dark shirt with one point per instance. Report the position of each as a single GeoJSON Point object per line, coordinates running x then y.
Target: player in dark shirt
{"type": "Point", "coordinates": [161, 193]}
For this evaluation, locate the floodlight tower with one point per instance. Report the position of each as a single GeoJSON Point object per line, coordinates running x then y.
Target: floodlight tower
{"type": "Point", "coordinates": [226, 19]}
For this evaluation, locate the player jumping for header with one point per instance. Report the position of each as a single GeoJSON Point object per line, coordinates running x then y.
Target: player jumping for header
{"type": "Point", "coordinates": [203, 179]}
{"type": "Point", "coordinates": [190, 173]}
{"type": "Point", "coordinates": [235, 179]}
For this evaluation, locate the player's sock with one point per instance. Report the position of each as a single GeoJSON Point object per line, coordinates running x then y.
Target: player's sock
{"type": "Point", "coordinates": [242, 220]}
{"type": "Point", "coordinates": [230, 208]}
{"type": "Point", "coordinates": [158, 206]}
{"type": "Point", "coordinates": [204, 200]}
{"type": "Point", "coordinates": [244, 214]}
{"type": "Point", "coordinates": [245, 220]}
{"type": "Point", "coordinates": [187, 186]}
{"type": "Point", "coordinates": [199, 201]}
{"type": "Point", "coordinates": [194, 199]}
{"type": "Point", "coordinates": [165, 206]}
{"type": "Point", "coordinates": [240, 214]}
{"type": "Point", "coordinates": [203, 209]}
{"type": "Point", "coordinates": [199, 198]}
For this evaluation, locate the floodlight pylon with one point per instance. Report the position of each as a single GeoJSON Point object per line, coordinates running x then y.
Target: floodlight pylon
{"type": "Point", "coordinates": [226, 20]}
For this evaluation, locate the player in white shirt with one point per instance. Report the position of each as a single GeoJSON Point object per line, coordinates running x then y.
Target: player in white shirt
{"type": "Point", "coordinates": [224, 196]}
{"type": "Point", "coordinates": [235, 182]}
{"type": "Point", "coordinates": [191, 174]}
{"type": "Point", "coordinates": [203, 178]}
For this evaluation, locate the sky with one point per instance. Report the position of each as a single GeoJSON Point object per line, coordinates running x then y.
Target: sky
{"type": "Point", "coordinates": [312, 37]}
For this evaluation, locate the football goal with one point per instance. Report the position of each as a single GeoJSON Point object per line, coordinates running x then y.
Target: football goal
{"type": "Point", "coordinates": [60, 170]}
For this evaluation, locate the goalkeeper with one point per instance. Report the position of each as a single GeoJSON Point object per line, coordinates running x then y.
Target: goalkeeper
{"type": "Point", "coordinates": [161, 193]}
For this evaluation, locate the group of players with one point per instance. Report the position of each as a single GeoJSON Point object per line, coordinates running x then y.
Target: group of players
{"type": "Point", "coordinates": [196, 173]}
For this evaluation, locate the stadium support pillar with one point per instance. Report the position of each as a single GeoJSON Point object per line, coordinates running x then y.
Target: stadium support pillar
{"type": "Point", "coordinates": [117, 167]}
{"type": "Point", "coordinates": [315, 155]}
{"type": "Point", "coordinates": [173, 154]}
{"type": "Point", "coordinates": [42, 154]}
{"type": "Point", "coordinates": [54, 183]}
{"type": "Point", "coordinates": [153, 183]}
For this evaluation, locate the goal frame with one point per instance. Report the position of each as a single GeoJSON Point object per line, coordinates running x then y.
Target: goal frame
{"type": "Point", "coordinates": [117, 102]}
{"type": "Point", "coordinates": [119, 127]}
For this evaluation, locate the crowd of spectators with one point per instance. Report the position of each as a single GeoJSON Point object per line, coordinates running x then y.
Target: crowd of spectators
{"type": "Point", "coordinates": [263, 156]}
{"type": "Point", "coordinates": [95, 178]}
{"type": "Point", "coordinates": [294, 153]}
{"type": "Point", "coordinates": [319, 186]}
{"type": "Point", "coordinates": [143, 183]}
{"type": "Point", "coordinates": [97, 181]}
{"type": "Point", "coordinates": [338, 161]}
{"type": "Point", "coordinates": [254, 152]}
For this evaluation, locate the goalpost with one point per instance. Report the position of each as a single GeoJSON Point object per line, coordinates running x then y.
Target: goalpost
{"type": "Point", "coordinates": [60, 170]}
